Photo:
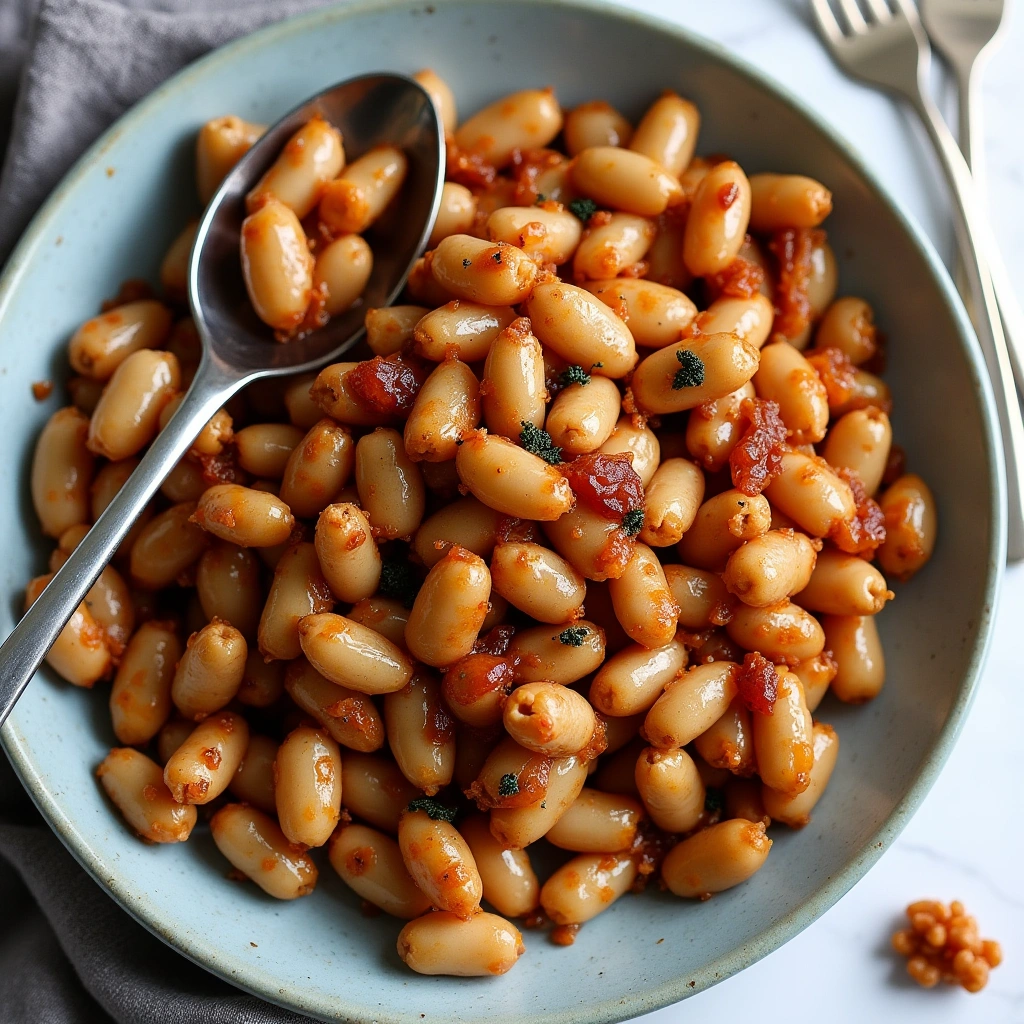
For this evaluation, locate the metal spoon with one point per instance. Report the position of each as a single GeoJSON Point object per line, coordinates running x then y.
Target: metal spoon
{"type": "Point", "coordinates": [237, 347]}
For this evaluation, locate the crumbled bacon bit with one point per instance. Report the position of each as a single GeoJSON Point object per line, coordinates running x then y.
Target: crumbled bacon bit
{"type": "Point", "coordinates": [793, 248]}
{"type": "Point", "coordinates": [649, 849]}
{"type": "Point", "coordinates": [387, 385]}
{"type": "Point", "coordinates": [837, 373]}
{"type": "Point", "coordinates": [42, 389]}
{"type": "Point", "coordinates": [757, 457]}
{"type": "Point", "coordinates": [510, 530]}
{"type": "Point", "coordinates": [607, 484]}
{"type": "Point", "coordinates": [895, 465]}
{"type": "Point", "coordinates": [564, 934]}
{"type": "Point", "coordinates": [222, 468]}
{"type": "Point", "coordinates": [468, 168]}
{"type": "Point", "coordinates": [526, 168]}
{"type": "Point", "coordinates": [741, 279]}
{"type": "Point", "coordinates": [535, 919]}
{"type": "Point", "coordinates": [757, 684]}
{"type": "Point", "coordinates": [865, 532]}
{"type": "Point", "coordinates": [495, 641]}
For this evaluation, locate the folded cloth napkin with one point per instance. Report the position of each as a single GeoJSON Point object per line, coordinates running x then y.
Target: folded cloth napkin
{"type": "Point", "coordinates": [68, 953]}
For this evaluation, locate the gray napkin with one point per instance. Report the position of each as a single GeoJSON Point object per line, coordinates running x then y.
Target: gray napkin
{"type": "Point", "coordinates": [68, 954]}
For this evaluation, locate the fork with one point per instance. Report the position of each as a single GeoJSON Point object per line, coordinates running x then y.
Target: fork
{"type": "Point", "coordinates": [888, 47]}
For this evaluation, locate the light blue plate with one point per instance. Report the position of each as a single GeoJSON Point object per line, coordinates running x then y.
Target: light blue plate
{"type": "Point", "coordinates": [320, 955]}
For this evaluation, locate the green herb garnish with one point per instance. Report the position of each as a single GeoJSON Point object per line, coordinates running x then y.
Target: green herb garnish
{"type": "Point", "coordinates": [573, 636]}
{"type": "Point", "coordinates": [633, 522]}
{"type": "Point", "coordinates": [509, 785]}
{"type": "Point", "coordinates": [575, 375]}
{"type": "Point", "coordinates": [433, 809]}
{"type": "Point", "coordinates": [541, 198]}
{"type": "Point", "coordinates": [538, 441]}
{"type": "Point", "coordinates": [691, 370]}
{"type": "Point", "coordinates": [467, 263]}
{"type": "Point", "coordinates": [496, 256]}
{"type": "Point", "coordinates": [583, 209]}
{"type": "Point", "coordinates": [399, 581]}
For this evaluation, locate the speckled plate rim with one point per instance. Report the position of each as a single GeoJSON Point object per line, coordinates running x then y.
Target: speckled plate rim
{"type": "Point", "coordinates": [241, 973]}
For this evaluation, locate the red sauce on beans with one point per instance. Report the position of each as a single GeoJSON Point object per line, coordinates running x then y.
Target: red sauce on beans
{"type": "Point", "coordinates": [742, 279]}
{"type": "Point", "coordinates": [865, 532]}
{"type": "Point", "coordinates": [837, 373]}
{"type": "Point", "coordinates": [387, 385]}
{"type": "Point", "coordinates": [477, 675]}
{"type": "Point", "coordinates": [606, 484]}
{"type": "Point", "coordinates": [758, 455]}
{"type": "Point", "coordinates": [757, 683]}
{"type": "Point", "coordinates": [793, 248]}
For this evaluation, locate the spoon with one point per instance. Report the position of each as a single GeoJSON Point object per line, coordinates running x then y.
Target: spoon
{"type": "Point", "coordinates": [237, 348]}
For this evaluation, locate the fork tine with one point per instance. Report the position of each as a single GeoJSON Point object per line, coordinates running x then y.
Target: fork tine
{"type": "Point", "coordinates": [827, 24]}
{"type": "Point", "coordinates": [854, 18]}
{"type": "Point", "coordinates": [880, 10]}
{"type": "Point", "coordinates": [909, 11]}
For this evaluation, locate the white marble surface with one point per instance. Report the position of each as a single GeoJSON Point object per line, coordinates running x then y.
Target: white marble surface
{"type": "Point", "coordinates": [966, 840]}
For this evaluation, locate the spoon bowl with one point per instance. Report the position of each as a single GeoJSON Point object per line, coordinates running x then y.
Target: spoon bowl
{"type": "Point", "coordinates": [237, 347]}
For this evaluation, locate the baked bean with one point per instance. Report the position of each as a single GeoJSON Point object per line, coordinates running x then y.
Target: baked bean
{"type": "Point", "coordinates": [538, 582]}
{"type": "Point", "coordinates": [262, 681]}
{"type": "Point", "coordinates": [549, 719]}
{"type": "Point", "coordinates": [390, 485]}
{"type": "Point", "coordinates": [440, 863]}
{"type": "Point", "coordinates": [727, 362]}
{"type": "Point", "coordinates": [543, 656]}
{"type": "Point", "coordinates": [597, 823]}
{"type": "Point", "coordinates": [748, 318]}
{"type": "Point", "coordinates": [665, 256]}
{"type": "Point", "coordinates": [844, 584]}
{"type": "Point", "coordinates": [860, 441]}
{"type": "Point", "coordinates": [210, 670]}
{"type": "Point", "coordinates": [351, 718]}
{"type": "Point", "coordinates": [347, 553]}
{"type": "Point", "coordinates": [135, 785]}
{"type": "Point", "coordinates": [718, 219]}
{"type": "Point", "coordinates": [317, 469]}
{"type": "Point", "coordinates": [128, 414]}
{"type": "Point", "coordinates": [787, 201]}
{"type": "Point", "coordinates": [516, 827]}
{"type": "Point", "coordinates": [481, 271]}
{"type": "Point", "coordinates": [423, 287]}
{"type": "Point", "coordinates": [643, 602]}
{"type": "Point", "coordinates": [849, 325]}
{"type": "Point", "coordinates": [810, 492]}
{"type": "Point", "coordinates": [221, 143]}
{"type": "Point", "coordinates": [390, 328]}
{"type": "Point", "coordinates": [441, 94]}
{"type": "Point", "coordinates": [815, 675]}
{"type": "Point", "coordinates": [857, 650]}
{"type": "Point", "coordinates": [510, 884]}
{"type": "Point", "coordinates": [524, 120]}
{"type": "Point", "coordinates": [228, 585]}
{"type": "Point", "coordinates": [446, 409]}
{"type": "Point", "coordinates": [84, 393]}
{"type": "Point", "coordinates": [171, 736]}
{"type": "Point", "coordinates": [595, 124]}
{"type": "Point", "coordinates": [253, 782]}
{"type": "Point", "coordinates": [101, 344]}
{"type": "Point", "coordinates": [302, 411]}
{"type": "Point", "coordinates": [716, 858]}
{"type": "Point", "coordinates": [910, 526]}
{"type": "Point", "coordinates": [595, 547]}
{"type": "Point", "coordinates": [641, 441]}
{"type": "Point", "coordinates": [795, 809]}
{"type": "Point", "coordinates": [713, 429]}
{"type": "Point", "coordinates": [212, 438]}
{"type": "Point", "coordinates": [701, 596]}
{"type": "Point", "coordinates": [140, 699]}
{"type": "Point", "coordinates": [466, 523]}
{"type": "Point", "coordinates": [352, 655]}
{"type": "Point", "coordinates": [297, 589]}
{"type": "Point", "coordinates": [722, 524]}
{"type": "Point", "coordinates": [475, 688]}
{"type": "Point", "coordinates": [581, 329]}
{"type": "Point", "coordinates": [166, 547]}
{"type": "Point", "coordinates": [771, 568]}
{"type": "Point", "coordinates": [466, 329]}
{"type": "Point", "coordinates": [668, 131]}
{"type": "Point", "coordinates": [204, 765]}
{"type": "Point", "coordinates": [613, 246]}
{"type": "Point", "coordinates": [455, 215]}
{"type": "Point", "coordinates": [62, 470]}
{"type": "Point", "coordinates": [449, 609]}
{"type": "Point", "coordinates": [631, 681]}
{"type": "Point", "coordinates": [255, 845]}
{"type": "Point", "coordinates": [554, 179]}
{"type": "Point", "coordinates": [625, 180]}
{"type": "Point", "coordinates": [586, 885]}
{"type": "Point", "coordinates": [277, 265]}
{"type": "Point", "coordinates": [786, 377]}
{"type": "Point", "coordinates": [510, 479]}
{"type": "Point", "coordinates": [782, 632]}
{"type": "Point", "coordinates": [505, 762]}
{"type": "Point", "coordinates": [783, 740]}
{"type": "Point", "coordinates": [671, 788]}
{"type": "Point", "coordinates": [308, 786]}
{"type": "Point", "coordinates": [174, 266]}
{"type": "Point", "coordinates": [186, 482]}
{"type": "Point", "coordinates": [443, 943]}
{"type": "Point", "coordinates": [353, 201]}
{"type": "Point", "coordinates": [656, 314]}
{"type": "Point", "coordinates": [674, 496]}
{"type": "Point", "coordinates": [547, 235]}
{"type": "Point", "coordinates": [370, 863]}
{"type": "Point", "coordinates": [341, 271]}
{"type": "Point", "coordinates": [821, 285]}
{"type": "Point", "coordinates": [375, 789]}
{"type": "Point", "coordinates": [420, 733]}
{"type": "Point", "coordinates": [244, 516]}
{"type": "Point", "coordinates": [729, 743]}
{"type": "Point", "coordinates": [865, 389]}
{"type": "Point", "coordinates": [691, 704]}
{"type": "Point", "coordinates": [514, 390]}
{"type": "Point", "coordinates": [383, 615]}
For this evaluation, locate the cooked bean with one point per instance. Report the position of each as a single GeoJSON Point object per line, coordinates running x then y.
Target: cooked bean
{"type": "Point", "coordinates": [350, 717]}
{"type": "Point", "coordinates": [632, 680]}
{"type": "Point", "coordinates": [786, 377]}
{"type": "Point", "coordinates": [221, 143]}
{"type": "Point", "coordinates": [783, 632]}
{"type": "Point", "coordinates": [787, 201]}
{"type": "Point", "coordinates": [446, 409]}
{"type": "Point", "coordinates": [718, 219]}
{"type": "Point", "coordinates": [449, 609]}
{"type": "Point", "coordinates": [504, 763]}
{"type": "Point", "coordinates": [665, 256]}
{"type": "Point", "coordinates": [691, 704]}
{"type": "Point", "coordinates": [255, 845]}
{"type": "Point", "coordinates": [298, 589]}
{"type": "Point", "coordinates": [668, 131]}
{"type": "Point", "coordinates": [524, 120]}
{"type": "Point", "coordinates": [174, 266]}
{"type": "Point", "coordinates": [244, 516]}
{"type": "Point", "coordinates": [625, 180]}
{"type": "Point", "coordinates": [308, 786]}
{"type": "Point", "coordinates": [341, 272]}
{"type": "Point", "coordinates": [595, 124]}
{"type": "Point", "coordinates": [783, 741]}
{"type": "Point", "coordinates": [510, 884]}
{"type": "Point", "coordinates": [860, 660]}
{"type": "Point", "coordinates": [423, 287]}
{"type": "Point", "coordinates": [643, 602]}
{"type": "Point", "coordinates": [476, 686]}
{"type": "Point", "coordinates": [455, 215]}
{"type": "Point", "coordinates": [420, 733]}
{"type": "Point", "coordinates": [443, 98]}
{"type": "Point", "coordinates": [748, 318]}
{"type": "Point", "coordinates": [390, 485]}
{"type": "Point", "coordinates": [212, 438]}
{"type": "Point", "coordinates": [860, 441]}
{"type": "Point", "coordinates": [440, 863]}
{"type": "Point", "coordinates": [722, 524]}
{"type": "Point", "coordinates": [844, 584]}
{"type": "Point", "coordinates": [671, 788]}
{"type": "Point", "coordinates": [674, 496]}
{"type": "Point", "coordinates": [167, 546]}
{"type": "Point", "coordinates": [583, 416]}
{"type": "Point", "coordinates": [186, 482]}
{"type": "Point", "coordinates": [809, 492]}
{"type": "Point", "coordinates": [466, 329]}
{"type": "Point", "coordinates": [581, 329]}
{"type": "Point", "coordinates": [729, 743]}
{"type": "Point", "coordinates": [375, 789]}
{"type": "Point", "coordinates": [516, 827]}
{"type": "Point", "coordinates": [330, 391]}
{"type": "Point", "coordinates": [821, 285]}
{"type": "Point", "coordinates": [317, 469]}
{"type": "Point", "coordinates": [656, 314]}
{"type": "Point", "coordinates": [597, 823]}
{"type": "Point", "coordinates": [538, 582]}
{"type": "Point", "coordinates": [262, 681]}
{"type": "Point", "coordinates": [481, 271]}
{"type": "Point", "coordinates": [466, 523]}
{"type": "Point", "coordinates": [443, 943]}
{"type": "Point", "coordinates": [204, 765]}
{"type": "Point", "coordinates": [352, 655]}
{"type": "Point", "coordinates": [716, 858]}
{"type": "Point", "coordinates": [713, 428]}
{"type": "Point", "coordinates": [514, 390]}
{"type": "Point", "coordinates": [390, 328]}
{"type": "Point", "coordinates": [550, 719]}
{"type": "Point", "coordinates": [864, 390]}
{"type": "Point", "coordinates": [815, 674]}
{"type": "Point", "coordinates": [543, 656]}
{"type": "Point", "coordinates": [109, 479]}
{"type": "Point", "coordinates": [210, 670]}
{"type": "Point", "coordinates": [613, 246]}
{"type": "Point", "coordinates": [135, 785]}
{"type": "Point", "coordinates": [795, 810]}
{"type": "Point", "coordinates": [353, 201]}
{"type": "Point", "coordinates": [253, 781]}
{"type": "Point", "coordinates": [228, 585]}
{"type": "Point", "coordinates": [101, 344]}
{"type": "Point", "coordinates": [140, 699]}
{"type": "Point", "coordinates": [641, 441]}
{"type": "Point", "coordinates": [597, 548]}
{"type": "Point", "coordinates": [910, 526]}
{"type": "Point", "coordinates": [370, 864]}
{"type": "Point", "coordinates": [586, 885]}
{"type": "Point", "coordinates": [771, 568]}
{"type": "Point", "coordinates": [347, 553]}
{"type": "Point", "coordinates": [547, 235]}
{"type": "Point", "coordinates": [302, 411]}
{"type": "Point", "coordinates": [701, 595]}
{"type": "Point", "coordinates": [849, 325]}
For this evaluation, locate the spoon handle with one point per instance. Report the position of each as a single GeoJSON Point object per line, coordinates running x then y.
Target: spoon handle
{"type": "Point", "coordinates": [24, 650]}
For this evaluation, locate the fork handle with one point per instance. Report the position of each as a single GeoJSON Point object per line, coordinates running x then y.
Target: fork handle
{"type": "Point", "coordinates": [974, 239]}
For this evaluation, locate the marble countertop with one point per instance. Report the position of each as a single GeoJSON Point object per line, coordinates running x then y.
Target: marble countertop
{"type": "Point", "coordinates": [965, 841]}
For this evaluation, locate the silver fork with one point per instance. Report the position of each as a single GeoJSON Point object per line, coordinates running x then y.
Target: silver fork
{"type": "Point", "coordinates": [888, 47]}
